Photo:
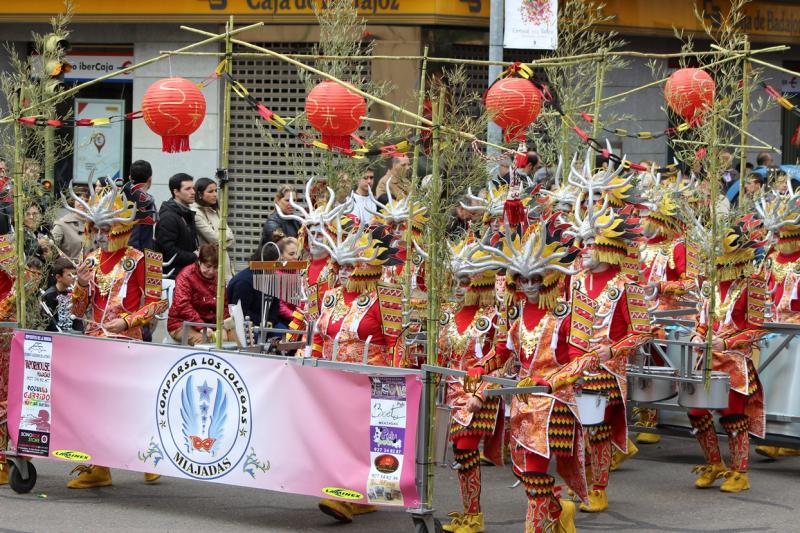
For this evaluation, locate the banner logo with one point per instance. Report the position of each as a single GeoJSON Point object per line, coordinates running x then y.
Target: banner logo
{"type": "Point", "coordinates": [345, 494]}
{"type": "Point", "coordinates": [70, 455]}
{"type": "Point", "coordinates": [203, 413]}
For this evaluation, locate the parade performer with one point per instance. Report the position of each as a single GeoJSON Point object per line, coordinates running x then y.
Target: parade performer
{"type": "Point", "coordinates": [351, 326]}
{"type": "Point", "coordinates": [736, 324]}
{"type": "Point", "coordinates": [546, 425]}
{"type": "Point", "coordinates": [118, 287]}
{"type": "Point", "coordinates": [780, 215]}
{"type": "Point", "coordinates": [8, 313]}
{"type": "Point", "coordinates": [320, 274]}
{"type": "Point", "coordinates": [609, 314]}
{"type": "Point", "coordinates": [492, 207]}
{"type": "Point", "coordinates": [664, 257]}
{"type": "Point", "coordinates": [467, 333]}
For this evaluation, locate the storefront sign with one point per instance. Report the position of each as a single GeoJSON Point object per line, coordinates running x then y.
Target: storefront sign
{"type": "Point", "coordinates": [531, 24]}
{"type": "Point", "coordinates": [221, 417]}
{"type": "Point", "coordinates": [98, 150]}
{"type": "Point", "coordinates": [87, 66]}
{"type": "Point", "coordinates": [467, 12]}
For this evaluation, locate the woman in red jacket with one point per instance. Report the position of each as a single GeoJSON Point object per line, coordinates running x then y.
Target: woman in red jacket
{"type": "Point", "coordinates": [195, 298]}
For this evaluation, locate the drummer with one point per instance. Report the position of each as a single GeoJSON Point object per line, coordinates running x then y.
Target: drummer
{"type": "Point", "coordinates": [737, 326]}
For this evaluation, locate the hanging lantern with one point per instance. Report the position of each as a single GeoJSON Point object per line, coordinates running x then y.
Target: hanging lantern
{"type": "Point", "coordinates": [335, 112]}
{"type": "Point", "coordinates": [515, 104]}
{"type": "Point", "coordinates": [688, 92]}
{"type": "Point", "coordinates": [173, 108]}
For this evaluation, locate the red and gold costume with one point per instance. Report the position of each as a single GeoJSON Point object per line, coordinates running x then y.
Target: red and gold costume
{"type": "Point", "coordinates": [737, 321]}
{"type": "Point", "coordinates": [125, 283]}
{"type": "Point", "coordinates": [609, 312]}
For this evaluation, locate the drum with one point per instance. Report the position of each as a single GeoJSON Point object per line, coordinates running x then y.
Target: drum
{"type": "Point", "coordinates": [591, 407]}
{"type": "Point", "coordinates": [645, 386]}
{"type": "Point", "coordinates": [781, 383]}
{"type": "Point", "coordinates": [695, 394]}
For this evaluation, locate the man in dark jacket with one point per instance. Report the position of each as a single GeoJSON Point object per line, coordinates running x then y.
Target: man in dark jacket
{"type": "Point", "coordinates": [176, 235]}
{"type": "Point", "coordinates": [141, 175]}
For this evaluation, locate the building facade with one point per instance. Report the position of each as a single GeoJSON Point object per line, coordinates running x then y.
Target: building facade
{"type": "Point", "coordinates": [108, 35]}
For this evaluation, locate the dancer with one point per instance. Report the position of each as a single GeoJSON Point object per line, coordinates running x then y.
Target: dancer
{"type": "Point", "coordinates": [612, 315]}
{"type": "Point", "coordinates": [118, 287]}
{"type": "Point", "coordinates": [736, 322]}
{"type": "Point", "coordinates": [546, 425]}
{"type": "Point", "coordinates": [466, 335]}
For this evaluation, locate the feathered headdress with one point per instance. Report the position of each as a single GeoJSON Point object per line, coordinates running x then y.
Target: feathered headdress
{"type": "Point", "coordinates": [491, 206]}
{"type": "Point", "coordinates": [780, 216]}
{"type": "Point", "coordinates": [396, 213]}
{"type": "Point", "coordinates": [663, 215]}
{"type": "Point", "coordinates": [543, 250]}
{"type": "Point", "coordinates": [313, 218]}
{"type": "Point", "coordinates": [115, 208]}
{"type": "Point", "coordinates": [468, 260]}
{"type": "Point", "coordinates": [735, 253]}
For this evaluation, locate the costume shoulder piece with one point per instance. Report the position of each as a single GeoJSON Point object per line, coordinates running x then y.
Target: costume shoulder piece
{"type": "Point", "coordinates": [637, 308]}
{"type": "Point", "coordinates": [313, 302]}
{"type": "Point", "coordinates": [152, 274]}
{"type": "Point", "coordinates": [584, 309]}
{"type": "Point", "coordinates": [756, 300]}
{"type": "Point", "coordinates": [694, 260]}
{"type": "Point", "coordinates": [390, 302]}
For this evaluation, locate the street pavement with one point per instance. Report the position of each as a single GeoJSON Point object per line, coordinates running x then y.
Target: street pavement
{"type": "Point", "coordinates": [651, 492]}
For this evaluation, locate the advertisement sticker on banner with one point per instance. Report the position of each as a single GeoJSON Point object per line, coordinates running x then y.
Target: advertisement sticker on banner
{"type": "Point", "coordinates": [387, 440]}
{"type": "Point", "coordinates": [99, 150]}
{"type": "Point", "coordinates": [34, 427]}
{"type": "Point", "coordinates": [531, 24]}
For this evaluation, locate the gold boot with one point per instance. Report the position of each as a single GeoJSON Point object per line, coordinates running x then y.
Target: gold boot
{"type": "Point", "coordinates": [617, 457]}
{"type": "Point", "coordinates": [360, 508]}
{"type": "Point", "coordinates": [90, 477]}
{"type": "Point", "coordinates": [709, 474]}
{"type": "Point", "coordinates": [647, 419]}
{"type": "Point", "coordinates": [566, 520]}
{"type": "Point", "coordinates": [471, 523]}
{"type": "Point", "coordinates": [735, 482]}
{"type": "Point", "coordinates": [456, 519]}
{"type": "Point", "coordinates": [150, 478]}
{"type": "Point", "coordinates": [3, 473]}
{"type": "Point", "coordinates": [598, 501]}
{"type": "Point", "coordinates": [341, 511]}
{"type": "Point", "coordinates": [773, 452]}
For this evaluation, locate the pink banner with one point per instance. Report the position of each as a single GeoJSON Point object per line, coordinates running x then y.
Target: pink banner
{"type": "Point", "coordinates": [228, 418]}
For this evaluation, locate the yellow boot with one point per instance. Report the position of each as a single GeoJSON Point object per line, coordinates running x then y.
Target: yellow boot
{"type": "Point", "coordinates": [471, 523]}
{"type": "Point", "coordinates": [150, 478]}
{"type": "Point", "coordinates": [735, 482]}
{"type": "Point", "coordinates": [566, 521]}
{"type": "Point", "coordinates": [90, 477]}
{"type": "Point", "coordinates": [773, 452]}
{"type": "Point", "coordinates": [648, 418]}
{"type": "Point", "coordinates": [709, 474]}
{"type": "Point", "coordinates": [360, 508]}
{"type": "Point", "coordinates": [456, 519]}
{"type": "Point", "coordinates": [617, 457]}
{"type": "Point", "coordinates": [341, 511]}
{"type": "Point", "coordinates": [3, 473]}
{"type": "Point", "coordinates": [598, 501]}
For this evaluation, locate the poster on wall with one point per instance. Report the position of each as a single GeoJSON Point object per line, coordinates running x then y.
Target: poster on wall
{"type": "Point", "coordinates": [98, 150]}
{"type": "Point", "coordinates": [531, 24]}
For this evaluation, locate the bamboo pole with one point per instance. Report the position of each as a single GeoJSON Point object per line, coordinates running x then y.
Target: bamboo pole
{"type": "Point", "coordinates": [19, 233]}
{"type": "Point", "coordinates": [350, 87]}
{"type": "Point", "coordinates": [658, 82]}
{"type": "Point", "coordinates": [764, 144]}
{"type": "Point", "coordinates": [549, 62]}
{"type": "Point", "coordinates": [723, 145]}
{"type": "Point", "coordinates": [223, 188]}
{"type": "Point", "coordinates": [598, 94]}
{"type": "Point", "coordinates": [714, 192]}
{"type": "Point", "coordinates": [433, 282]}
{"type": "Point", "coordinates": [409, 278]}
{"type": "Point", "coordinates": [773, 67]}
{"type": "Point", "coordinates": [69, 92]}
{"type": "Point", "coordinates": [743, 129]}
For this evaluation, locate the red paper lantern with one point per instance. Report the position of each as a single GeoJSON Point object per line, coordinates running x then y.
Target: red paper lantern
{"type": "Point", "coordinates": [173, 108]}
{"type": "Point", "coordinates": [688, 92]}
{"type": "Point", "coordinates": [515, 103]}
{"type": "Point", "coordinates": [335, 112]}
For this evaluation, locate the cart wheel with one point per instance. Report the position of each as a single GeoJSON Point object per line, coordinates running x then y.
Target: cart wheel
{"type": "Point", "coordinates": [19, 485]}
{"type": "Point", "coordinates": [420, 527]}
